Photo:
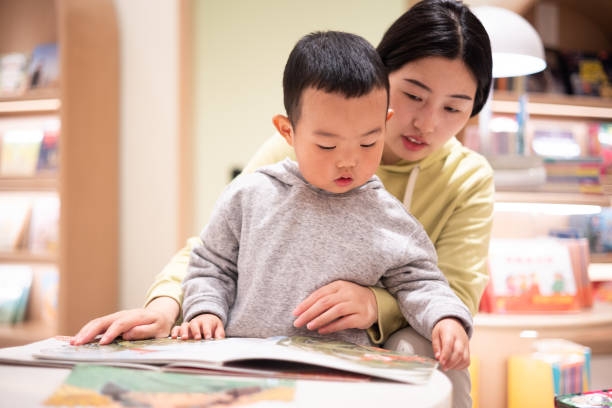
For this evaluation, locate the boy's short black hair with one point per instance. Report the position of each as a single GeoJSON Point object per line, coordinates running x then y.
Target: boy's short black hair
{"type": "Point", "coordinates": [334, 62]}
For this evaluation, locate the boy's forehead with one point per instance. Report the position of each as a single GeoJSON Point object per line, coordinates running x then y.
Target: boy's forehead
{"type": "Point", "coordinates": [332, 114]}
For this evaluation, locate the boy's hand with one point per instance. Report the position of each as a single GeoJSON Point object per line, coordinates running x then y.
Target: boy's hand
{"type": "Point", "coordinates": [337, 306]}
{"type": "Point", "coordinates": [207, 326]}
{"type": "Point", "coordinates": [451, 345]}
{"type": "Point", "coordinates": [155, 320]}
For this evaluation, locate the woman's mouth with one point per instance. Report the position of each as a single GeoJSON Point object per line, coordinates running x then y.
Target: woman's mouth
{"type": "Point", "coordinates": [412, 143]}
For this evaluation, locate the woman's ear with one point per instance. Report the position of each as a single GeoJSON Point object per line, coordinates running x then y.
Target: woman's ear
{"type": "Point", "coordinates": [283, 125]}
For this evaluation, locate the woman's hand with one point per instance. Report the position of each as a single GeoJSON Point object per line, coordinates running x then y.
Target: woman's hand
{"type": "Point", "coordinates": [155, 320]}
{"type": "Point", "coordinates": [337, 306]}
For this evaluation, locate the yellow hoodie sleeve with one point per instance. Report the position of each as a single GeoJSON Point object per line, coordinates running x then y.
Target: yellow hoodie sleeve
{"type": "Point", "coordinates": [390, 317]}
{"type": "Point", "coordinates": [463, 244]}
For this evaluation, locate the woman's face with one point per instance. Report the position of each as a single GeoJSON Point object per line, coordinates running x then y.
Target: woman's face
{"type": "Point", "coordinates": [432, 98]}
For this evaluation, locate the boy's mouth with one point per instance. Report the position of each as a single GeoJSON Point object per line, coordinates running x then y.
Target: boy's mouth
{"type": "Point", "coordinates": [343, 181]}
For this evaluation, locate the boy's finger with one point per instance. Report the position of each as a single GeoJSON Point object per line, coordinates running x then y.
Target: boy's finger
{"type": "Point", "coordinates": [175, 332]}
{"type": "Point", "coordinates": [194, 327]}
{"type": "Point", "coordinates": [445, 351]}
{"type": "Point", "coordinates": [206, 330]}
{"type": "Point", "coordinates": [184, 331]}
{"type": "Point", "coordinates": [435, 342]}
{"type": "Point", "coordinates": [219, 332]}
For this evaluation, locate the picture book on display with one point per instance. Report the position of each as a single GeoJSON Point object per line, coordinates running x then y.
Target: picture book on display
{"type": "Point", "coordinates": [91, 385]}
{"type": "Point", "coordinates": [537, 275]}
{"type": "Point", "coordinates": [284, 357]}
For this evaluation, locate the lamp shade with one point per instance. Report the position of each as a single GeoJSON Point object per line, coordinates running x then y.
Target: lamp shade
{"type": "Point", "coordinates": [516, 46]}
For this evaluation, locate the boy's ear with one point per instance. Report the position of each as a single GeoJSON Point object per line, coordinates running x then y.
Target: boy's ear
{"type": "Point", "coordinates": [283, 125]}
{"type": "Point", "coordinates": [390, 113]}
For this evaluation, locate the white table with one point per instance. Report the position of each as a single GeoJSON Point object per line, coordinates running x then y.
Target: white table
{"type": "Point", "coordinates": [24, 386]}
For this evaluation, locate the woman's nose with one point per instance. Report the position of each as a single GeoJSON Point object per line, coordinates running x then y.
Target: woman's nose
{"type": "Point", "coordinates": [424, 120]}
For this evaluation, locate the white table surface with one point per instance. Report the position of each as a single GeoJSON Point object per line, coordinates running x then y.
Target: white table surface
{"type": "Point", "coordinates": [24, 386]}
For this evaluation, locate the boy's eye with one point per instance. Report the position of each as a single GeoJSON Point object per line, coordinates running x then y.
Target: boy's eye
{"type": "Point", "coordinates": [413, 97]}
{"type": "Point", "coordinates": [451, 109]}
{"type": "Point", "coordinates": [327, 147]}
{"type": "Point", "coordinates": [368, 145]}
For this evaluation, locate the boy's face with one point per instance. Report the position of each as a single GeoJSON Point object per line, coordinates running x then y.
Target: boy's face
{"type": "Point", "coordinates": [338, 141]}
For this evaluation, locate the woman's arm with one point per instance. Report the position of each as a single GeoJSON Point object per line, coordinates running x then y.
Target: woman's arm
{"type": "Point", "coordinates": [462, 248]}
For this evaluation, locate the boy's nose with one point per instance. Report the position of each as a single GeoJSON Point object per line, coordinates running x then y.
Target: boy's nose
{"type": "Point", "coordinates": [346, 162]}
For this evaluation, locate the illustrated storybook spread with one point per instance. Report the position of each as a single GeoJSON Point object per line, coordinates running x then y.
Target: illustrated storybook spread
{"type": "Point", "coordinates": [91, 385]}
{"type": "Point", "coordinates": [289, 357]}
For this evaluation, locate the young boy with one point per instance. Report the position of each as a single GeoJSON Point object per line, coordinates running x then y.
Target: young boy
{"type": "Point", "coordinates": [288, 229]}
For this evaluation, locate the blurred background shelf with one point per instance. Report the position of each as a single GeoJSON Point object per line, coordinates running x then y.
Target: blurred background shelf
{"type": "Point", "coordinates": [39, 101]}
{"type": "Point", "coordinates": [43, 182]}
{"type": "Point", "coordinates": [85, 103]}
{"type": "Point", "coordinates": [556, 105]}
{"type": "Point", "coordinates": [552, 198]}
{"type": "Point", "coordinates": [27, 257]}
{"type": "Point", "coordinates": [26, 332]}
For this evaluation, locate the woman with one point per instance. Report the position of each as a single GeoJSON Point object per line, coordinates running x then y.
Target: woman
{"type": "Point", "coordinates": [439, 61]}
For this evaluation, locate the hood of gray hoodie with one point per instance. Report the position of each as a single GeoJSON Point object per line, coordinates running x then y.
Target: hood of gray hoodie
{"type": "Point", "coordinates": [288, 172]}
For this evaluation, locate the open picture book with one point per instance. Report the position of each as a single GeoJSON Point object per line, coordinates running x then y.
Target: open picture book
{"type": "Point", "coordinates": [284, 357]}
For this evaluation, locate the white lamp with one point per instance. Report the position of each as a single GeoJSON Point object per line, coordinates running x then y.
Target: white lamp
{"type": "Point", "coordinates": [516, 46]}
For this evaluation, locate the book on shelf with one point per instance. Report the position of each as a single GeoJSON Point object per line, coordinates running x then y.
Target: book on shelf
{"type": "Point", "coordinates": [92, 385]}
{"type": "Point", "coordinates": [19, 151]}
{"type": "Point", "coordinates": [15, 213]}
{"type": "Point", "coordinates": [554, 367]}
{"type": "Point", "coordinates": [43, 234]}
{"type": "Point", "coordinates": [596, 228]}
{"type": "Point", "coordinates": [48, 157]}
{"type": "Point", "coordinates": [537, 275]}
{"type": "Point", "coordinates": [15, 284]}
{"type": "Point", "coordinates": [289, 357]}
{"type": "Point", "coordinates": [43, 69]}
{"type": "Point", "coordinates": [13, 73]}
{"type": "Point", "coordinates": [590, 73]}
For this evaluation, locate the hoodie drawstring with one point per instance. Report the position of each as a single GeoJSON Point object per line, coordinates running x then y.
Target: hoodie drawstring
{"type": "Point", "coordinates": [414, 173]}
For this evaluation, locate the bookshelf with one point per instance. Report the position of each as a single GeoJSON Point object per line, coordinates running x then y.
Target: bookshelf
{"type": "Point", "coordinates": [86, 183]}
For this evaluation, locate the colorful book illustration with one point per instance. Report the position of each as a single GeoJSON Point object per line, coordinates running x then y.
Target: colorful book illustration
{"type": "Point", "coordinates": [538, 275]}
{"type": "Point", "coordinates": [91, 385]}
{"type": "Point", "coordinates": [289, 357]}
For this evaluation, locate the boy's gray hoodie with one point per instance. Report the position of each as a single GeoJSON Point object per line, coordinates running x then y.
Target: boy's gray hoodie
{"type": "Point", "coordinates": [273, 239]}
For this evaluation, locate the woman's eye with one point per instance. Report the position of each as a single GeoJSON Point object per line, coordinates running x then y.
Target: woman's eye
{"type": "Point", "coordinates": [451, 109]}
{"type": "Point", "coordinates": [413, 97]}
{"type": "Point", "coordinates": [327, 147]}
{"type": "Point", "coordinates": [368, 145]}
